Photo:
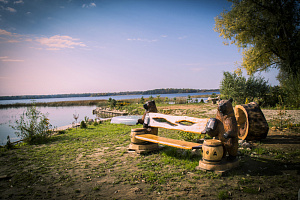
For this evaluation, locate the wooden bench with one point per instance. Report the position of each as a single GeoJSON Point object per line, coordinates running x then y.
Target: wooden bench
{"type": "Point", "coordinates": [182, 123]}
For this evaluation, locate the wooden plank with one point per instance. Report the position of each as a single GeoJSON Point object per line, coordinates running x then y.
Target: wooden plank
{"type": "Point", "coordinates": [183, 123]}
{"type": "Point", "coordinates": [169, 142]}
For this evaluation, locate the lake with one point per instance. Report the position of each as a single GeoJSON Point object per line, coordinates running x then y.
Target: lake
{"type": "Point", "coordinates": [58, 116]}
{"type": "Point", "coordinates": [61, 116]}
{"type": "Point", "coordinates": [170, 96]}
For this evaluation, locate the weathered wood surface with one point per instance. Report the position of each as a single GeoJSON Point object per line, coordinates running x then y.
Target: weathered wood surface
{"type": "Point", "coordinates": [168, 141]}
{"type": "Point", "coordinates": [252, 124]}
{"type": "Point", "coordinates": [183, 123]}
{"type": "Point", "coordinates": [110, 113]}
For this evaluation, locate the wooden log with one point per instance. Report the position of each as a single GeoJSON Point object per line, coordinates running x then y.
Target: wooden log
{"type": "Point", "coordinates": [252, 124]}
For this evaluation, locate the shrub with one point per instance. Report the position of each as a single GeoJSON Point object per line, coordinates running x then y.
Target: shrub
{"type": "Point", "coordinates": [9, 145]}
{"type": "Point", "coordinates": [95, 123]}
{"type": "Point", "coordinates": [33, 126]}
{"type": "Point", "coordinates": [83, 124]}
{"type": "Point", "coordinates": [239, 88]}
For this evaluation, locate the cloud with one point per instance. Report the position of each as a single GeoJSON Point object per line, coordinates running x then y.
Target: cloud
{"type": "Point", "coordinates": [12, 41]}
{"type": "Point", "coordinates": [197, 69]}
{"type": "Point", "coordinates": [4, 1]}
{"type": "Point", "coordinates": [9, 37]}
{"type": "Point", "coordinates": [4, 32]}
{"type": "Point", "coordinates": [10, 9]}
{"type": "Point", "coordinates": [58, 42]}
{"type": "Point", "coordinates": [141, 40]}
{"type": "Point", "coordinates": [91, 5]}
{"type": "Point", "coordinates": [7, 59]}
{"type": "Point", "coordinates": [19, 2]}
{"type": "Point", "coordinates": [181, 38]}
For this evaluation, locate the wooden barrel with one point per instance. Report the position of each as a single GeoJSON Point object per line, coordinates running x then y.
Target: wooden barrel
{"type": "Point", "coordinates": [137, 131]}
{"type": "Point", "coordinates": [252, 124]}
{"type": "Point", "coordinates": [212, 151]}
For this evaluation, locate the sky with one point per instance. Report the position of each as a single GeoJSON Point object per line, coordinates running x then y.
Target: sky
{"type": "Point", "coordinates": [84, 46]}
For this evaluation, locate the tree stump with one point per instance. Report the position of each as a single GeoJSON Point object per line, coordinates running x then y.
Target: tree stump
{"type": "Point", "coordinates": [252, 124]}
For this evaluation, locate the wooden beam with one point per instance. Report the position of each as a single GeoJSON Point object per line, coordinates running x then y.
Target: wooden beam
{"type": "Point", "coordinates": [169, 142]}
{"type": "Point", "coordinates": [182, 123]}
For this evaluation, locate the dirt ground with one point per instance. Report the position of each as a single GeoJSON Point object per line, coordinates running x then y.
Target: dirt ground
{"type": "Point", "coordinates": [269, 169]}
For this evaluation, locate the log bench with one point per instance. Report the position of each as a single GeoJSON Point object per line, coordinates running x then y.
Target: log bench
{"type": "Point", "coordinates": [146, 139]}
{"type": "Point", "coordinates": [158, 120]}
{"type": "Point", "coordinates": [251, 124]}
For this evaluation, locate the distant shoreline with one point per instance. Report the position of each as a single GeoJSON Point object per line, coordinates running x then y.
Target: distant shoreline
{"type": "Point", "coordinates": [78, 102]}
{"type": "Point", "coordinates": [147, 92]}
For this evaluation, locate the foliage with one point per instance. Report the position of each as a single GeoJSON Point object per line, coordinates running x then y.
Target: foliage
{"type": "Point", "coordinates": [158, 99]}
{"type": "Point", "coordinates": [192, 137]}
{"type": "Point", "coordinates": [223, 195]}
{"type": "Point", "coordinates": [83, 125]}
{"type": "Point", "coordinates": [291, 88]}
{"type": "Point", "coordinates": [151, 98]}
{"type": "Point", "coordinates": [95, 123]}
{"type": "Point", "coordinates": [239, 88]}
{"type": "Point", "coordinates": [148, 92]}
{"type": "Point", "coordinates": [142, 101]}
{"type": "Point", "coordinates": [213, 95]}
{"type": "Point", "coordinates": [112, 103]}
{"type": "Point", "coordinates": [266, 31]}
{"type": "Point", "coordinates": [33, 126]}
{"type": "Point", "coordinates": [189, 99]}
{"type": "Point", "coordinates": [9, 145]}
{"type": "Point", "coordinates": [282, 120]}
{"type": "Point", "coordinates": [86, 119]}
{"type": "Point", "coordinates": [166, 99]}
{"type": "Point", "coordinates": [272, 97]}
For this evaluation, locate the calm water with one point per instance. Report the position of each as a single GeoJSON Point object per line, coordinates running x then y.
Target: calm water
{"type": "Point", "coordinates": [61, 116]}
{"type": "Point", "coordinates": [99, 98]}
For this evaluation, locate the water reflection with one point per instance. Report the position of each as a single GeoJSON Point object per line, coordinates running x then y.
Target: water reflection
{"type": "Point", "coordinates": [59, 116]}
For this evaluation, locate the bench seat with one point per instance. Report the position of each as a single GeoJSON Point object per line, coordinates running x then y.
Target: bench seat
{"type": "Point", "coordinates": [169, 142]}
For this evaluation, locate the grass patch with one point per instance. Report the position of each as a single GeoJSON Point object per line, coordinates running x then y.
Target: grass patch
{"type": "Point", "coordinates": [93, 163]}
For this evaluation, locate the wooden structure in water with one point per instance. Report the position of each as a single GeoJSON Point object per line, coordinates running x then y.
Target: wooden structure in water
{"type": "Point", "coordinates": [106, 113]}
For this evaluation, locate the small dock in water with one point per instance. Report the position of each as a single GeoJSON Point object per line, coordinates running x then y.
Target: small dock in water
{"type": "Point", "coordinates": [108, 113]}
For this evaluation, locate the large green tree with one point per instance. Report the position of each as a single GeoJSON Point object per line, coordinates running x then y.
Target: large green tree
{"type": "Point", "coordinates": [267, 32]}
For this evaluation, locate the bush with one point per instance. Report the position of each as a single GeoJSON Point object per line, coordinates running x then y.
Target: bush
{"type": "Point", "coordinates": [95, 123]}
{"type": "Point", "coordinates": [33, 126]}
{"type": "Point", "coordinates": [291, 88]}
{"type": "Point", "coordinates": [83, 124]}
{"type": "Point", "coordinates": [9, 145]}
{"type": "Point", "coordinates": [239, 88]}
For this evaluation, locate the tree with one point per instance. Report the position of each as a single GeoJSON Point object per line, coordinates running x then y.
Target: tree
{"type": "Point", "coordinates": [142, 100]}
{"type": "Point", "coordinates": [33, 126]}
{"type": "Point", "coordinates": [167, 99]}
{"type": "Point", "coordinates": [291, 88]}
{"type": "Point", "coordinates": [266, 31]}
{"type": "Point", "coordinates": [158, 98]}
{"type": "Point", "coordinates": [189, 99]}
{"type": "Point", "coordinates": [239, 88]}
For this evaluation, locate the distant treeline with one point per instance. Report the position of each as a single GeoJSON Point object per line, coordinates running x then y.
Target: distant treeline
{"type": "Point", "coordinates": [148, 92]}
